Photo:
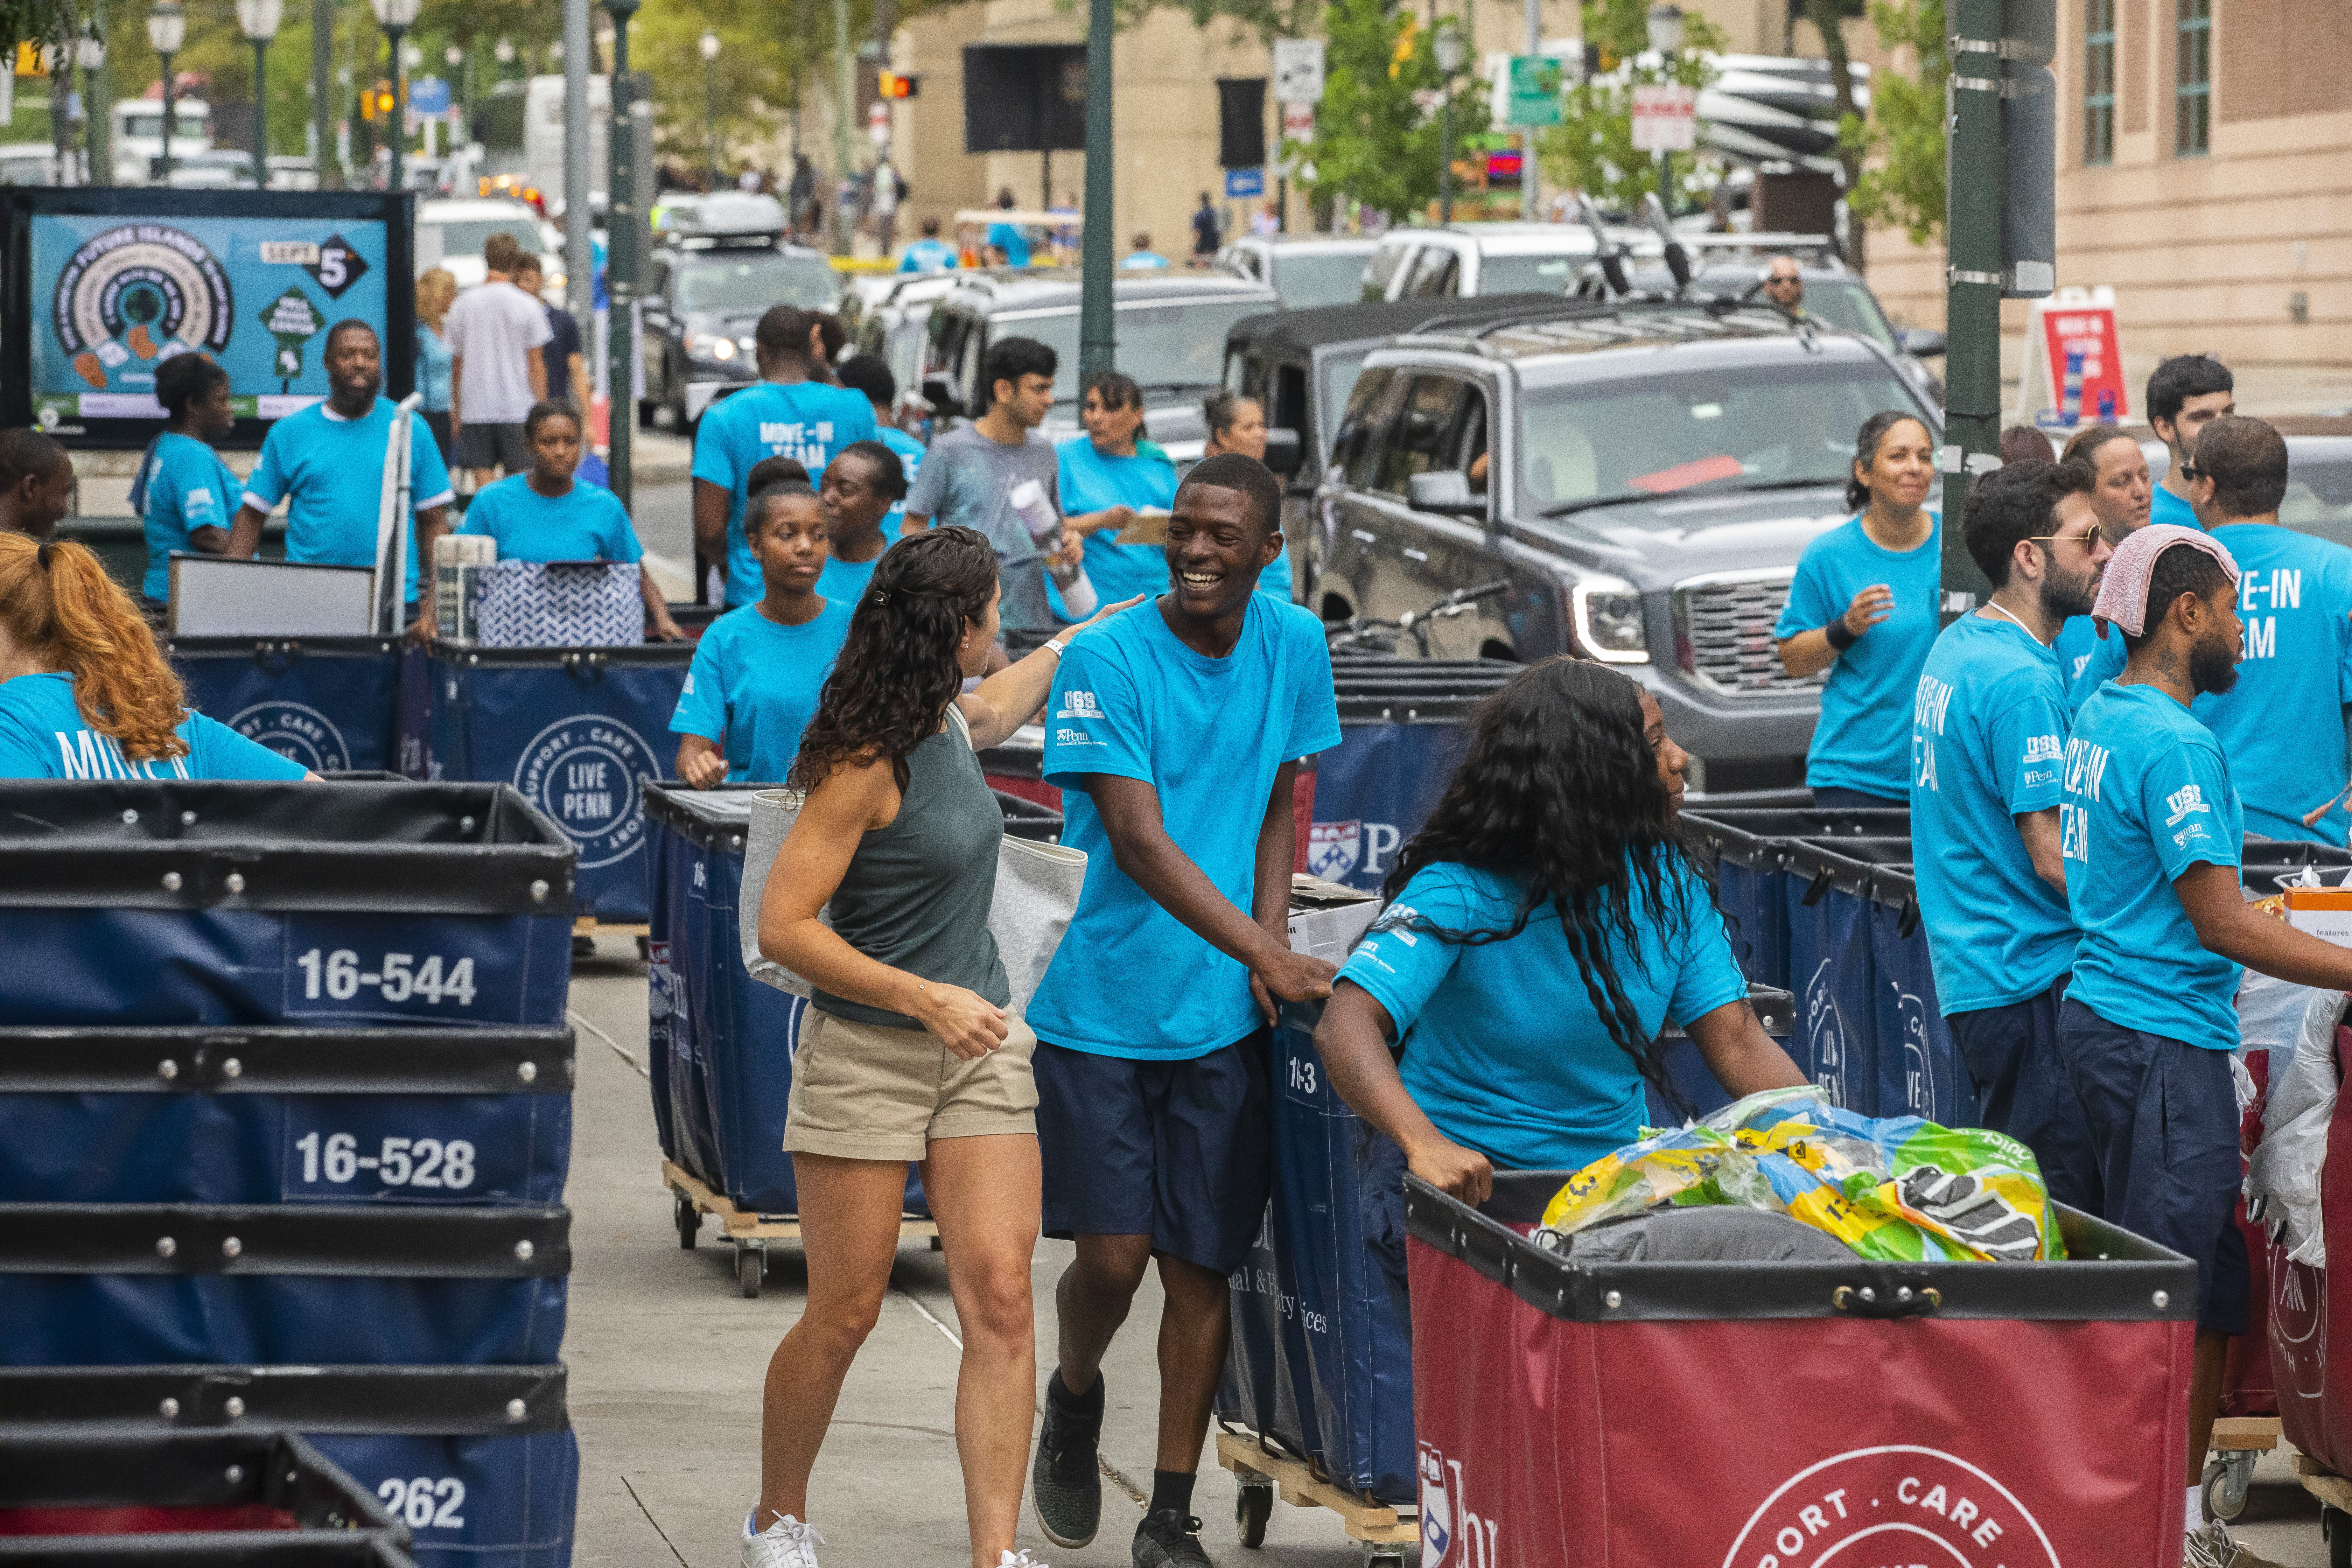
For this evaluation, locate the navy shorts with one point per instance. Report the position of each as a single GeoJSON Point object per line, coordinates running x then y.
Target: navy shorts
{"type": "Point", "coordinates": [1181, 1152]}
{"type": "Point", "coordinates": [2164, 1124]}
{"type": "Point", "coordinates": [2014, 1059]}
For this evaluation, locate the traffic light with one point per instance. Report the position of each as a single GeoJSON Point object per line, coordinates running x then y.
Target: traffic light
{"type": "Point", "coordinates": [376, 102]}
{"type": "Point", "coordinates": [890, 84]}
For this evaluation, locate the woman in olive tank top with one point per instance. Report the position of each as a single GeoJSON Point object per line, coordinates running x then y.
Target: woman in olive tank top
{"type": "Point", "coordinates": [908, 1050]}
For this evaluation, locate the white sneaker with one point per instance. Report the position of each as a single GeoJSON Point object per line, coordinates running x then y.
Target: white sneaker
{"type": "Point", "coordinates": [787, 1544]}
{"type": "Point", "coordinates": [2210, 1546]}
{"type": "Point", "coordinates": [1020, 1559]}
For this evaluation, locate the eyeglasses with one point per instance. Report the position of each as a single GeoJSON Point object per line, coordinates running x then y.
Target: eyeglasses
{"type": "Point", "coordinates": [2191, 471]}
{"type": "Point", "coordinates": [2088, 537]}
{"type": "Point", "coordinates": [1780, 280]}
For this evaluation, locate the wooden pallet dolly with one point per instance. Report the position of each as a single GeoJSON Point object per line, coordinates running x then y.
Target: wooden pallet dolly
{"type": "Point", "coordinates": [748, 1232]}
{"type": "Point", "coordinates": [1387, 1534]}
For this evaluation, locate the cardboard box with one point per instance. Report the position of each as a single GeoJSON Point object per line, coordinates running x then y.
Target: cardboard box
{"type": "Point", "coordinates": [1325, 919]}
{"type": "Point", "coordinates": [458, 560]}
{"type": "Point", "coordinates": [2324, 912]}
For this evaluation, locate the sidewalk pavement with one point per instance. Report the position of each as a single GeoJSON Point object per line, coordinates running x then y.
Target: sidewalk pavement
{"type": "Point", "coordinates": [667, 1358]}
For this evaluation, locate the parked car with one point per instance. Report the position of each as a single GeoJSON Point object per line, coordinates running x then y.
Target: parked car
{"type": "Point", "coordinates": [1472, 258]}
{"type": "Point", "coordinates": [1644, 473]}
{"type": "Point", "coordinates": [889, 314]}
{"type": "Point", "coordinates": [1170, 327]}
{"type": "Point", "coordinates": [1733, 267]}
{"type": "Point", "coordinates": [450, 235]}
{"type": "Point", "coordinates": [291, 171]}
{"type": "Point", "coordinates": [28, 163]}
{"type": "Point", "coordinates": [720, 263]}
{"type": "Point", "coordinates": [1307, 270]}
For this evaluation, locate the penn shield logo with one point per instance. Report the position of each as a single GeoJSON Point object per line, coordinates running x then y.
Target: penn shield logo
{"type": "Point", "coordinates": [297, 731]}
{"type": "Point", "coordinates": [1453, 1535]}
{"type": "Point", "coordinates": [1871, 1507]}
{"type": "Point", "coordinates": [585, 772]}
{"type": "Point", "coordinates": [1338, 850]}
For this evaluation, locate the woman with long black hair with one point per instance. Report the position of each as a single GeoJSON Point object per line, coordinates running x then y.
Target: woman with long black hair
{"type": "Point", "coordinates": [1539, 930]}
{"type": "Point", "coordinates": [909, 1050]}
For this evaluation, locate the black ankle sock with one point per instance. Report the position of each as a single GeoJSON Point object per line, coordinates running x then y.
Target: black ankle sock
{"type": "Point", "coordinates": [1171, 1489]}
{"type": "Point", "coordinates": [1087, 1407]}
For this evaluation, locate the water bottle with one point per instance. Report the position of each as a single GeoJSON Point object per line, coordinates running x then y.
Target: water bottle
{"type": "Point", "coordinates": [1037, 515]}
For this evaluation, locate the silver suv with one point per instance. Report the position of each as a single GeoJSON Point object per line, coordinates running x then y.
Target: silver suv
{"type": "Point", "coordinates": [1644, 473]}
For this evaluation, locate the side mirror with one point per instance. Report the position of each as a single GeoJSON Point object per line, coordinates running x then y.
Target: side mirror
{"type": "Point", "coordinates": [1284, 453]}
{"type": "Point", "coordinates": [941, 393]}
{"type": "Point", "coordinates": [1442, 489]}
{"type": "Point", "coordinates": [1920, 343]}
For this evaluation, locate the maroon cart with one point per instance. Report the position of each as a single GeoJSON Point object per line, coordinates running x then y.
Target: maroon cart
{"type": "Point", "coordinates": [1796, 1414]}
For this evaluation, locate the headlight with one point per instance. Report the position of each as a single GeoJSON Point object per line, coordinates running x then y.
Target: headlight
{"type": "Point", "coordinates": [1609, 620]}
{"type": "Point", "coordinates": [709, 346]}
{"type": "Point", "coordinates": [746, 342]}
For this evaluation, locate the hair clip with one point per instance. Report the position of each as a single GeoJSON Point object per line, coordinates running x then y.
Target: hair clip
{"type": "Point", "coordinates": [881, 597]}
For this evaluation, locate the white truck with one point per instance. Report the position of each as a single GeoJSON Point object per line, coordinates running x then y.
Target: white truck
{"type": "Point", "coordinates": [136, 134]}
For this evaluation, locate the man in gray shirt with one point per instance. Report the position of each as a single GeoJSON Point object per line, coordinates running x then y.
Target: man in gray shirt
{"type": "Point", "coordinates": [970, 474]}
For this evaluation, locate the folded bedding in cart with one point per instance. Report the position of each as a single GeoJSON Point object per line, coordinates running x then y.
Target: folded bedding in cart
{"type": "Point", "coordinates": [1895, 1188]}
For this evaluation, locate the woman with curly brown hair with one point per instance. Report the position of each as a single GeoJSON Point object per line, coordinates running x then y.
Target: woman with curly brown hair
{"type": "Point", "coordinates": [909, 1050]}
{"type": "Point", "coordinates": [84, 691]}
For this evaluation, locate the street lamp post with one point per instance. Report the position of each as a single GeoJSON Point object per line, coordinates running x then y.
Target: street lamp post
{"type": "Point", "coordinates": [97, 155]}
{"type": "Point", "coordinates": [167, 29]}
{"type": "Point", "coordinates": [1664, 22]}
{"type": "Point", "coordinates": [621, 263]}
{"type": "Point", "coordinates": [710, 100]}
{"type": "Point", "coordinates": [258, 20]}
{"type": "Point", "coordinates": [1450, 50]}
{"type": "Point", "coordinates": [395, 18]}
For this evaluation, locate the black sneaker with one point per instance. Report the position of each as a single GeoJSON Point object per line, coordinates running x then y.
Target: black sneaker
{"type": "Point", "coordinates": [1170, 1540]}
{"type": "Point", "coordinates": [1066, 1480]}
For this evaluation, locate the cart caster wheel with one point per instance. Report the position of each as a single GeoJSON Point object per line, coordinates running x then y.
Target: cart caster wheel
{"type": "Point", "coordinates": [2335, 1529]}
{"type": "Point", "coordinates": [1252, 1506]}
{"type": "Point", "coordinates": [1378, 1555]}
{"type": "Point", "coordinates": [938, 1246]}
{"type": "Point", "coordinates": [689, 1224]}
{"type": "Point", "coordinates": [644, 949]}
{"type": "Point", "coordinates": [2225, 1484]}
{"type": "Point", "coordinates": [750, 1271]}
{"type": "Point", "coordinates": [583, 946]}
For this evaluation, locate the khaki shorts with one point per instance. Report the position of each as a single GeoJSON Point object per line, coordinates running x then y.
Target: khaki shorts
{"type": "Point", "coordinates": [865, 1091]}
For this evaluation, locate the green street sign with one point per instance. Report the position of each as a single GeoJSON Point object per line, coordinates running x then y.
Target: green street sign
{"type": "Point", "coordinates": [293, 321]}
{"type": "Point", "coordinates": [1535, 91]}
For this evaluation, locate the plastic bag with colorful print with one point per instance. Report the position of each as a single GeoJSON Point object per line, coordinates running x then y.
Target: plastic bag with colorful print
{"type": "Point", "coordinates": [1899, 1189]}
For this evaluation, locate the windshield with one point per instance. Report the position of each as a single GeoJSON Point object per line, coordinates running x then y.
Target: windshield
{"type": "Point", "coordinates": [1161, 346]}
{"type": "Point", "coordinates": [1847, 302]}
{"type": "Point", "coordinates": [1769, 425]}
{"type": "Point", "coordinates": [151, 125]}
{"type": "Point", "coordinates": [1528, 274]}
{"type": "Point", "coordinates": [2319, 499]}
{"type": "Point", "coordinates": [1307, 281]}
{"type": "Point", "coordinates": [755, 279]}
{"type": "Point", "coordinates": [466, 237]}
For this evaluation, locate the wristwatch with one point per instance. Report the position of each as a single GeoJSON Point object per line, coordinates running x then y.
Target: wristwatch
{"type": "Point", "coordinates": [1053, 646]}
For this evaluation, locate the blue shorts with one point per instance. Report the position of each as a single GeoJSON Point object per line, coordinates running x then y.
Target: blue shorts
{"type": "Point", "coordinates": [1181, 1152]}
{"type": "Point", "coordinates": [2013, 1057]}
{"type": "Point", "coordinates": [2164, 1124]}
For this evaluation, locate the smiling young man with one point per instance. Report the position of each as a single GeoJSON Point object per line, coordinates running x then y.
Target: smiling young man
{"type": "Point", "coordinates": [2187, 393]}
{"type": "Point", "coordinates": [1988, 731]}
{"type": "Point", "coordinates": [1176, 729]}
{"type": "Point", "coordinates": [326, 463]}
{"type": "Point", "coordinates": [2150, 828]}
{"type": "Point", "coordinates": [2282, 726]}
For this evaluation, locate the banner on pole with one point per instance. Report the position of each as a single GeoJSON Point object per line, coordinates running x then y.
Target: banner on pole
{"type": "Point", "coordinates": [1533, 100]}
{"type": "Point", "coordinates": [1299, 70]}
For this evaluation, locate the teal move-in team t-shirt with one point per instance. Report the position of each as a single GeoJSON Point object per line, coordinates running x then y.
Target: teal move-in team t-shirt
{"type": "Point", "coordinates": [1863, 740]}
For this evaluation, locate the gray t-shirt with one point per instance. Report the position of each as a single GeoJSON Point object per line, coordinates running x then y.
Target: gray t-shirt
{"type": "Point", "coordinates": [967, 480]}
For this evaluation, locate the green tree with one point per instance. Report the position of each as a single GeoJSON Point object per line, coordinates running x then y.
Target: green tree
{"type": "Point", "coordinates": [1374, 143]}
{"type": "Point", "coordinates": [1904, 137]}
{"type": "Point", "coordinates": [1591, 149]}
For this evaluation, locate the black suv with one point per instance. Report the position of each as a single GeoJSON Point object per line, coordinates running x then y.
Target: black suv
{"type": "Point", "coordinates": [1644, 473]}
{"type": "Point", "coordinates": [720, 264]}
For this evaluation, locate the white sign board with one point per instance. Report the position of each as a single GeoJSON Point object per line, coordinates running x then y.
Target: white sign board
{"type": "Point", "coordinates": [1298, 122]}
{"type": "Point", "coordinates": [1665, 118]}
{"type": "Point", "coordinates": [213, 595]}
{"type": "Point", "coordinates": [1299, 70]}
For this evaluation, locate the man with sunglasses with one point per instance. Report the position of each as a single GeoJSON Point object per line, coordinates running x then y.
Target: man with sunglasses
{"type": "Point", "coordinates": [2282, 726]}
{"type": "Point", "coordinates": [1988, 744]}
{"type": "Point", "coordinates": [1784, 284]}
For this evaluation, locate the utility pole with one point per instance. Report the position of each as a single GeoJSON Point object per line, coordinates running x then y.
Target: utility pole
{"type": "Point", "coordinates": [1098, 346]}
{"type": "Point", "coordinates": [1999, 227]}
{"type": "Point", "coordinates": [322, 92]}
{"type": "Point", "coordinates": [578, 258]}
{"type": "Point", "coordinates": [621, 261]}
{"type": "Point", "coordinates": [844, 109]}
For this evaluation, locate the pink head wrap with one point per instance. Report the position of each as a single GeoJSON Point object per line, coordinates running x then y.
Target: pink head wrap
{"type": "Point", "coordinates": [2123, 591]}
